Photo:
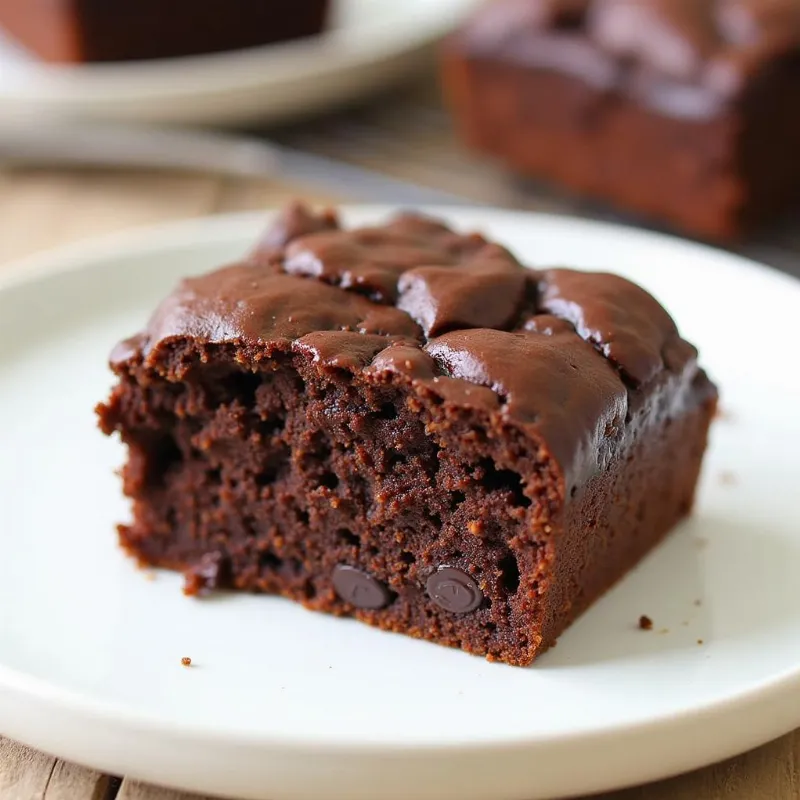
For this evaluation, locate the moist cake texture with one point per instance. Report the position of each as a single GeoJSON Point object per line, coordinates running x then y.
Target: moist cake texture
{"type": "Point", "coordinates": [686, 112]}
{"type": "Point", "coordinates": [403, 424]}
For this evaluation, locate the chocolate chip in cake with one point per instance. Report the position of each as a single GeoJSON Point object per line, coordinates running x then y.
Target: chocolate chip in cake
{"type": "Point", "coordinates": [298, 419]}
{"type": "Point", "coordinates": [453, 590]}
{"type": "Point", "coordinates": [359, 588]}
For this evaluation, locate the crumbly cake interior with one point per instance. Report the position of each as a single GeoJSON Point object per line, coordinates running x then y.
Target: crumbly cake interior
{"type": "Point", "coordinates": [527, 465]}
{"type": "Point", "coordinates": [291, 472]}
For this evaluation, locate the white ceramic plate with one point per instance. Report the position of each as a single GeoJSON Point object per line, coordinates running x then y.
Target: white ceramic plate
{"type": "Point", "coordinates": [370, 44]}
{"type": "Point", "coordinates": [285, 704]}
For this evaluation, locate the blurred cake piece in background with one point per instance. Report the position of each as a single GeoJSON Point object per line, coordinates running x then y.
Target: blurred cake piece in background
{"type": "Point", "coordinates": [686, 112]}
{"type": "Point", "coordinates": [124, 30]}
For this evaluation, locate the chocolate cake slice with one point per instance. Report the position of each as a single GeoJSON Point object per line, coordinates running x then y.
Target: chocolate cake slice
{"type": "Point", "coordinates": [684, 112]}
{"type": "Point", "coordinates": [404, 424]}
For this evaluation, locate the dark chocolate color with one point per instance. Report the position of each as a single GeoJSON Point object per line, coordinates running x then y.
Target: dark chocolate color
{"type": "Point", "coordinates": [626, 324]}
{"type": "Point", "coordinates": [359, 589]}
{"type": "Point", "coordinates": [454, 590]}
{"type": "Point", "coordinates": [123, 30]}
{"type": "Point", "coordinates": [405, 424]}
{"type": "Point", "coordinates": [477, 291]}
{"type": "Point", "coordinates": [680, 110]}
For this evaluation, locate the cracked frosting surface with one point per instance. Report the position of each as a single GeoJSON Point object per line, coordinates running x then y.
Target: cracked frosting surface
{"type": "Point", "coordinates": [554, 352]}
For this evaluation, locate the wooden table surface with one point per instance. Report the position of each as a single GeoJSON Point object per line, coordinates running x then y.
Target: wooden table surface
{"type": "Point", "coordinates": [405, 134]}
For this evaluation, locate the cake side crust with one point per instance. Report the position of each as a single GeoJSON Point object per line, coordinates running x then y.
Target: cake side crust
{"type": "Point", "coordinates": [327, 421]}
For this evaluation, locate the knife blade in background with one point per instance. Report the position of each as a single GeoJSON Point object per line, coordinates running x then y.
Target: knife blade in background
{"type": "Point", "coordinates": [112, 145]}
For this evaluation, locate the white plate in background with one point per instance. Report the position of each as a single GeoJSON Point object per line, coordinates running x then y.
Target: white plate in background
{"type": "Point", "coordinates": [370, 44]}
{"type": "Point", "coordinates": [285, 704]}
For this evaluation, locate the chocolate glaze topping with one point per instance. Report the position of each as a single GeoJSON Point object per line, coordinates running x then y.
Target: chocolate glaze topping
{"type": "Point", "coordinates": [555, 353]}
{"type": "Point", "coordinates": [622, 320]}
{"type": "Point", "coordinates": [487, 290]}
{"type": "Point", "coordinates": [557, 383]}
{"type": "Point", "coordinates": [371, 260]}
{"type": "Point", "coordinates": [685, 57]}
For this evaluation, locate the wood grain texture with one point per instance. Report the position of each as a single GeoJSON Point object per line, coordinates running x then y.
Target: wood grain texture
{"type": "Point", "coordinates": [135, 790]}
{"type": "Point", "coordinates": [260, 195]}
{"type": "Point", "coordinates": [71, 782]}
{"type": "Point", "coordinates": [24, 773]}
{"type": "Point", "coordinates": [40, 209]}
{"type": "Point", "coordinates": [768, 773]}
{"type": "Point", "coordinates": [28, 775]}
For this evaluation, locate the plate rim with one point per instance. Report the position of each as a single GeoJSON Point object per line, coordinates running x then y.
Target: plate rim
{"type": "Point", "coordinates": [210, 73]}
{"type": "Point", "coordinates": [210, 227]}
{"type": "Point", "coordinates": [196, 231]}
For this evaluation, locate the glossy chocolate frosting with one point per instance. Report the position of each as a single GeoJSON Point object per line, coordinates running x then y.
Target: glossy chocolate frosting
{"type": "Point", "coordinates": [683, 57]}
{"type": "Point", "coordinates": [556, 353]}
